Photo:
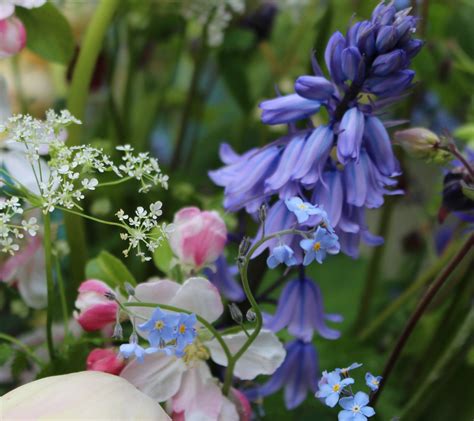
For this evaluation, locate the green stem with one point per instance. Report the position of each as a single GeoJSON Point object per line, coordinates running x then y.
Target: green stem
{"type": "Point", "coordinates": [48, 257]}
{"type": "Point", "coordinates": [373, 268]}
{"type": "Point", "coordinates": [27, 350]}
{"type": "Point", "coordinates": [114, 183]}
{"type": "Point", "coordinates": [76, 103]}
{"type": "Point", "coordinates": [18, 84]}
{"type": "Point", "coordinates": [92, 218]}
{"type": "Point", "coordinates": [62, 295]}
{"type": "Point", "coordinates": [423, 279]}
{"type": "Point", "coordinates": [201, 320]}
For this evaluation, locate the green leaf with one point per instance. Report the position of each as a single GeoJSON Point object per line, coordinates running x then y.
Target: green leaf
{"type": "Point", "coordinates": [19, 364]}
{"type": "Point", "coordinates": [163, 256]}
{"type": "Point", "coordinates": [109, 269]}
{"type": "Point", "coordinates": [48, 33]}
{"type": "Point", "coordinates": [6, 353]}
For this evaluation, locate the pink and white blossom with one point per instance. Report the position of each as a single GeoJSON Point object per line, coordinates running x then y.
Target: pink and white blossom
{"type": "Point", "coordinates": [12, 36]}
{"type": "Point", "coordinates": [96, 311]}
{"type": "Point", "coordinates": [105, 360]}
{"type": "Point", "coordinates": [198, 237]}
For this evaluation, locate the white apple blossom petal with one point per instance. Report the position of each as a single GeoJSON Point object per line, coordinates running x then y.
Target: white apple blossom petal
{"type": "Point", "coordinates": [159, 376]}
{"type": "Point", "coordinates": [264, 356]}
{"type": "Point", "coordinates": [87, 394]}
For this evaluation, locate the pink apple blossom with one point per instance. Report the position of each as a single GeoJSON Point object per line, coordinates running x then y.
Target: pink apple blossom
{"type": "Point", "coordinates": [105, 360]}
{"type": "Point", "coordinates": [198, 237]}
{"type": "Point", "coordinates": [96, 311]}
{"type": "Point", "coordinates": [12, 37]}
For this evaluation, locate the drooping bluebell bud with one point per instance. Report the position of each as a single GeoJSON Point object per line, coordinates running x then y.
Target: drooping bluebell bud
{"type": "Point", "coordinates": [379, 146]}
{"type": "Point", "coordinates": [352, 65]}
{"type": "Point", "coordinates": [366, 38]}
{"type": "Point", "coordinates": [314, 87]}
{"type": "Point", "coordinates": [386, 38]}
{"type": "Point", "coordinates": [389, 63]}
{"type": "Point", "coordinates": [386, 86]}
{"type": "Point", "coordinates": [412, 47]}
{"type": "Point", "coordinates": [332, 56]}
{"type": "Point", "coordinates": [350, 136]}
{"type": "Point", "coordinates": [386, 16]}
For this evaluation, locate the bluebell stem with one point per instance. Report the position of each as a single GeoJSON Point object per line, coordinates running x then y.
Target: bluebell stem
{"type": "Point", "coordinates": [368, 71]}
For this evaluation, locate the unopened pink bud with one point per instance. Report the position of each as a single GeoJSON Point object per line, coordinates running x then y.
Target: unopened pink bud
{"type": "Point", "coordinates": [105, 360]}
{"type": "Point", "coordinates": [12, 37]}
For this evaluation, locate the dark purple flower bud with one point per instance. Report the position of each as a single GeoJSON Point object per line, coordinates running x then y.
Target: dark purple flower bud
{"type": "Point", "coordinates": [405, 27]}
{"type": "Point", "coordinates": [389, 63]}
{"type": "Point", "coordinates": [386, 38]}
{"type": "Point", "coordinates": [366, 38]}
{"type": "Point", "coordinates": [379, 146]}
{"type": "Point", "coordinates": [454, 198]}
{"type": "Point", "coordinates": [332, 56]}
{"type": "Point", "coordinates": [352, 65]}
{"type": "Point", "coordinates": [391, 85]}
{"type": "Point", "coordinates": [288, 108]}
{"type": "Point", "coordinates": [314, 87]}
{"type": "Point", "coordinates": [350, 136]}
{"type": "Point", "coordinates": [387, 15]}
{"type": "Point", "coordinates": [413, 47]}
{"type": "Point", "coordinates": [352, 33]}
{"type": "Point", "coordinates": [314, 155]}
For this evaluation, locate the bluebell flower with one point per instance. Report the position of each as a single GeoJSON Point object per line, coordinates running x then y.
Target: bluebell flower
{"type": "Point", "coordinates": [355, 408]}
{"type": "Point", "coordinates": [331, 389]}
{"type": "Point", "coordinates": [302, 210]}
{"type": "Point", "coordinates": [372, 59]}
{"type": "Point", "coordinates": [345, 371]}
{"type": "Point", "coordinates": [316, 248]}
{"type": "Point", "coordinates": [372, 381]}
{"type": "Point", "coordinates": [281, 254]}
{"type": "Point", "coordinates": [223, 277]}
{"type": "Point", "coordinates": [161, 327]}
{"type": "Point", "coordinates": [297, 375]}
{"type": "Point", "coordinates": [185, 331]}
{"type": "Point", "coordinates": [300, 308]}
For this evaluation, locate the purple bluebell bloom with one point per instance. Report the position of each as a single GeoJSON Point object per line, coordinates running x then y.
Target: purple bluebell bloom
{"type": "Point", "coordinates": [281, 254]}
{"type": "Point", "coordinates": [223, 277]}
{"type": "Point", "coordinates": [319, 245]}
{"type": "Point", "coordinates": [297, 375]}
{"type": "Point", "coordinates": [161, 327]}
{"type": "Point", "coordinates": [314, 87]}
{"type": "Point", "coordinates": [300, 309]}
{"type": "Point", "coordinates": [372, 381]}
{"type": "Point", "coordinates": [286, 109]}
{"type": "Point", "coordinates": [355, 408]}
{"type": "Point", "coordinates": [331, 389]}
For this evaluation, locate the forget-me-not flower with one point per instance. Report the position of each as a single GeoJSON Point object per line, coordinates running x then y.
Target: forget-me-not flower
{"type": "Point", "coordinates": [302, 210]}
{"type": "Point", "coordinates": [133, 350]}
{"type": "Point", "coordinates": [185, 332]}
{"type": "Point", "coordinates": [372, 381]}
{"type": "Point", "coordinates": [281, 254]}
{"type": "Point", "coordinates": [355, 408]}
{"type": "Point", "coordinates": [316, 248]}
{"type": "Point", "coordinates": [331, 389]}
{"type": "Point", "coordinates": [345, 371]}
{"type": "Point", "coordinates": [161, 327]}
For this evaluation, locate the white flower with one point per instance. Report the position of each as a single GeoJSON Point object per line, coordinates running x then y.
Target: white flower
{"type": "Point", "coordinates": [90, 184]}
{"type": "Point", "coordinates": [31, 226]}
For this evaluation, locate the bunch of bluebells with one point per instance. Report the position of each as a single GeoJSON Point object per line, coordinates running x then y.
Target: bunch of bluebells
{"type": "Point", "coordinates": [300, 307]}
{"type": "Point", "coordinates": [346, 165]}
{"type": "Point", "coordinates": [57, 176]}
{"type": "Point", "coordinates": [167, 332]}
{"type": "Point", "coordinates": [335, 388]}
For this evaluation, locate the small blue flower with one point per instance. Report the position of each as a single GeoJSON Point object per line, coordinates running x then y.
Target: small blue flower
{"type": "Point", "coordinates": [317, 247]}
{"type": "Point", "coordinates": [372, 381]}
{"type": "Point", "coordinates": [302, 210]}
{"type": "Point", "coordinates": [355, 408]}
{"type": "Point", "coordinates": [185, 332]}
{"type": "Point", "coordinates": [331, 386]}
{"type": "Point", "coordinates": [133, 350]}
{"type": "Point", "coordinates": [281, 254]}
{"type": "Point", "coordinates": [162, 327]}
{"type": "Point", "coordinates": [345, 371]}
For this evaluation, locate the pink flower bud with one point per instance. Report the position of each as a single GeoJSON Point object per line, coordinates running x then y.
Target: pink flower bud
{"type": "Point", "coordinates": [199, 236]}
{"type": "Point", "coordinates": [12, 37]}
{"type": "Point", "coordinates": [105, 360]}
{"type": "Point", "coordinates": [96, 311]}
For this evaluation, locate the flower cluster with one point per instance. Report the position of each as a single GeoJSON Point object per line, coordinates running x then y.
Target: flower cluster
{"type": "Point", "coordinates": [346, 165]}
{"type": "Point", "coordinates": [335, 387]}
{"type": "Point", "coordinates": [143, 228]}
{"type": "Point", "coordinates": [11, 230]}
